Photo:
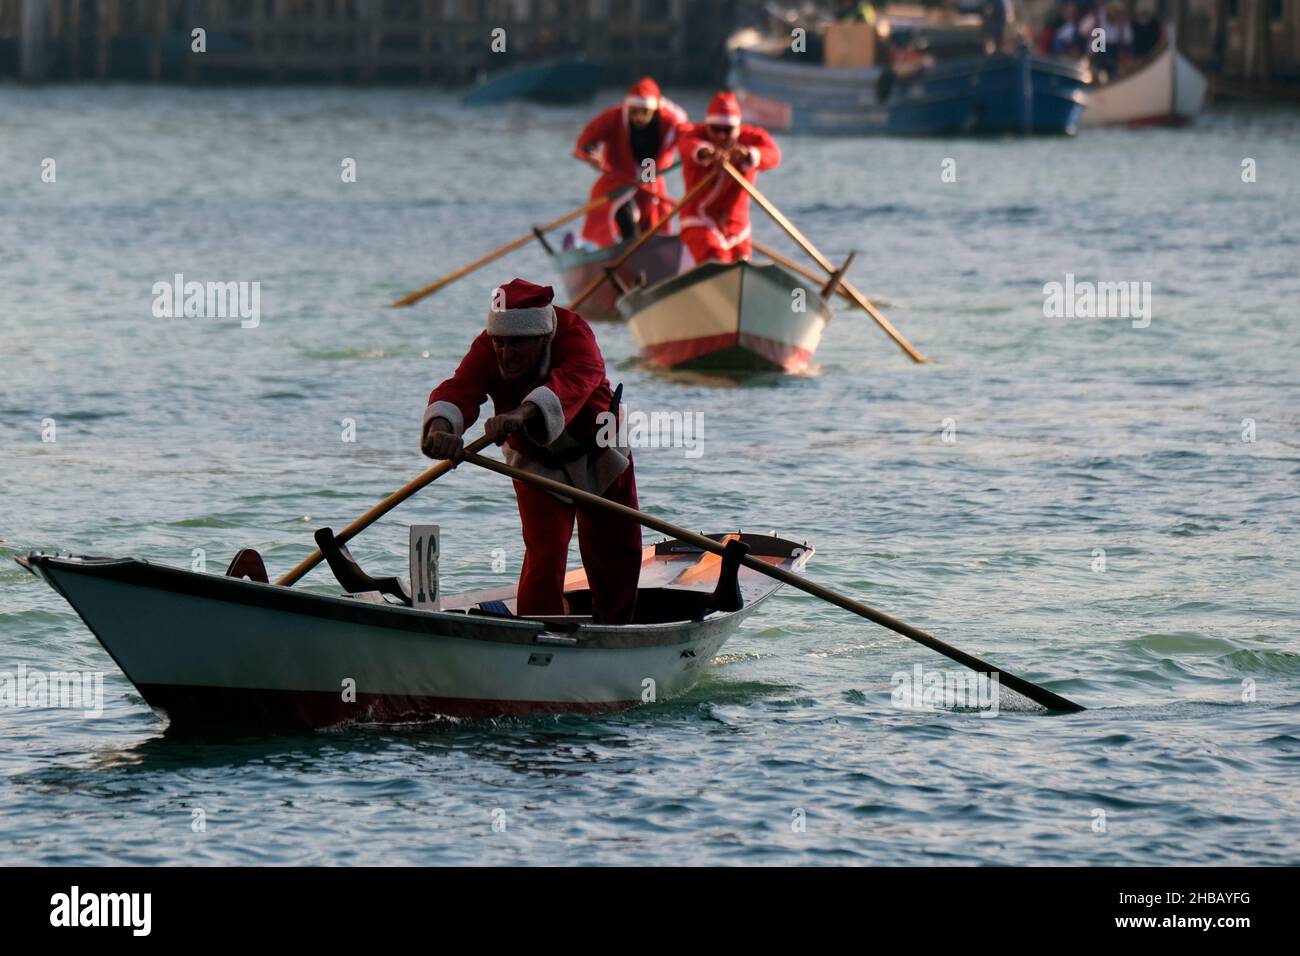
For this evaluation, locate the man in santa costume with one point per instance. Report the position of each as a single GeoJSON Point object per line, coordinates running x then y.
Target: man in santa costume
{"type": "Point", "coordinates": [636, 140]}
{"type": "Point", "coordinates": [715, 224]}
{"type": "Point", "coordinates": [545, 374]}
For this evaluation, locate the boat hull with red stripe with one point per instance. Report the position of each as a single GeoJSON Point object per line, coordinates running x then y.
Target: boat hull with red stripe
{"type": "Point", "coordinates": [728, 317]}
{"type": "Point", "coordinates": [209, 650]}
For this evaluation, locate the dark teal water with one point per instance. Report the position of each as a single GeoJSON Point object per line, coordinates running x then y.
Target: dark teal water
{"type": "Point", "coordinates": [1072, 435]}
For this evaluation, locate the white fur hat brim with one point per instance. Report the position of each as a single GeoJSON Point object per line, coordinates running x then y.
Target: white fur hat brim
{"type": "Point", "coordinates": [538, 321]}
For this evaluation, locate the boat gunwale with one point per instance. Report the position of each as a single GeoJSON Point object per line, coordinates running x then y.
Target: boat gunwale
{"type": "Point", "coordinates": [574, 258]}
{"type": "Point", "coordinates": [447, 624]}
{"type": "Point", "coordinates": [638, 300]}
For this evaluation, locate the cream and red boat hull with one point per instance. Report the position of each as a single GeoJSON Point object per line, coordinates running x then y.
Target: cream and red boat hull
{"type": "Point", "coordinates": [734, 317]}
{"type": "Point", "coordinates": [213, 650]}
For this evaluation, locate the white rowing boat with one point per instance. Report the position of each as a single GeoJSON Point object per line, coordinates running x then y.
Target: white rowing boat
{"type": "Point", "coordinates": [208, 649]}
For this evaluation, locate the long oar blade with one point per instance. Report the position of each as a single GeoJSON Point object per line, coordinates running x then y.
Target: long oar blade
{"type": "Point", "coordinates": [1040, 695]}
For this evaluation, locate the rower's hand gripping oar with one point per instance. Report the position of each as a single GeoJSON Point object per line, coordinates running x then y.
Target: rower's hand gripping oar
{"type": "Point", "coordinates": [1039, 695]}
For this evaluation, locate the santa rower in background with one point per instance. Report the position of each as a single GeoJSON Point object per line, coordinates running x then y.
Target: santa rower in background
{"type": "Point", "coordinates": [715, 224]}
{"type": "Point", "coordinates": [544, 372]}
{"type": "Point", "coordinates": [637, 140]}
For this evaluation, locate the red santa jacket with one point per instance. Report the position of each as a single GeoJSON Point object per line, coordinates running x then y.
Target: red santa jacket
{"type": "Point", "coordinates": [724, 206]}
{"type": "Point", "coordinates": [610, 131]}
{"type": "Point", "coordinates": [570, 391]}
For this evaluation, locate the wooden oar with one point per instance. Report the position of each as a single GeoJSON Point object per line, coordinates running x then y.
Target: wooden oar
{"type": "Point", "coordinates": [379, 510]}
{"type": "Point", "coordinates": [428, 290]}
{"type": "Point", "coordinates": [642, 240]}
{"type": "Point", "coordinates": [537, 233]}
{"type": "Point", "coordinates": [628, 183]}
{"type": "Point", "coordinates": [1040, 695]}
{"type": "Point", "coordinates": [795, 267]}
{"type": "Point", "coordinates": [804, 243]}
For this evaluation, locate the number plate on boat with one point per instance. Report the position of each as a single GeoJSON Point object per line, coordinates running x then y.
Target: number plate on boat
{"type": "Point", "coordinates": [426, 546]}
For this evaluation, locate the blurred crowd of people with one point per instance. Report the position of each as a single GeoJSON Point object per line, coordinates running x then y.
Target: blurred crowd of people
{"type": "Point", "coordinates": [1079, 29]}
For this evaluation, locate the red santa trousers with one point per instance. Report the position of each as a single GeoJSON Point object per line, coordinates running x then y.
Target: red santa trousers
{"type": "Point", "coordinates": [610, 546]}
{"type": "Point", "coordinates": [708, 245]}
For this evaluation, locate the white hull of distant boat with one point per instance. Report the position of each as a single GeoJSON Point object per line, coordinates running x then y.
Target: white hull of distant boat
{"type": "Point", "coordinates": [1166, 90]}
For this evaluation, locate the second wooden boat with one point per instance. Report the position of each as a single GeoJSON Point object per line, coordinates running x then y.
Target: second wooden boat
{"type": "Point", "coordinates": [732, 317]}
{"type": "Point", "coordinates": [661, 258]}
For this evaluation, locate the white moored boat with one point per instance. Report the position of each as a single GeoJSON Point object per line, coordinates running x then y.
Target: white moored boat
{"type": "Point", "coordinates": [732, 317]}
{"type": "Point", "coordinates": [1166, 89]}
{"type": "Point", "coordinates": [210, 649]}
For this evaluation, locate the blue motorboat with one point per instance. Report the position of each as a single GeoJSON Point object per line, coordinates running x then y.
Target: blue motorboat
{"type": "Point", "coordinates": [1020, 92]}
{"type": "Point", "coordinates": [967, 94]}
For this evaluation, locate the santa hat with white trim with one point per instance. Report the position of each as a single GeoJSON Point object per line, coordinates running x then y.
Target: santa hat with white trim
{"type": "Point", "coordinates": [724, 110]}
{"type": "Point", "coordinates": [521, 308]}
{"type": "Point", "coordinates": [643, 93]}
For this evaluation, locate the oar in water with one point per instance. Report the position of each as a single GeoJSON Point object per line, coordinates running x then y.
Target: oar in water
{"type": "Point", "coordinates": [1039, 695]}
{"type": "Point", "coordinates": [641, 241]}
{"type": "Point", "coordinates": [804, 243]}
{"type": "Point", "coordinates": [379, 510]}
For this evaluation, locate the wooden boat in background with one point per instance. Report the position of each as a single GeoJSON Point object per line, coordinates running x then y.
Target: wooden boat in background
{"type": "Point", "coordinates": [209, 649]}
{"type": "Point", "coordinates": [733, 317]}
{"type": "Point", "coordinates": [662, 257]}
{"type": "Point", "coordinates": [555, 82]}
{"type": "Point", "coordinates": [1166, 89]}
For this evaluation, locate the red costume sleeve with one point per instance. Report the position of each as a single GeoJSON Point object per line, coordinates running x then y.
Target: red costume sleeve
{"type": "Point", "coordinates": [577, 370]}
{"type": "Point", "coordinates": [460, 397]}
{"type": "Point", "coordinates": [689, 142]}
{"type": "Point", "coordinates": [763, 151]}
{"type": "Point", "coordinates": [674, 123]}
{"type": "Point", "coordinates": [600, 130]}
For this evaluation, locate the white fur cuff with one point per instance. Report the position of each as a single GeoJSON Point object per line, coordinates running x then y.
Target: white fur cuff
{"type": "Point", "coordinates": [444, 410]}
{"type": "Point", "coordinates": [548, 403]}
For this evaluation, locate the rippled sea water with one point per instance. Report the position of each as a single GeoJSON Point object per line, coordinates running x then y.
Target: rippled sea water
{"type": "Point", "coordinates": [1075, 439]}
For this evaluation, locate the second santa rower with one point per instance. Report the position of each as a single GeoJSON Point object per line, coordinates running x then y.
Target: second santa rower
{"type": "Point", "coordinates": [636, 141]}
